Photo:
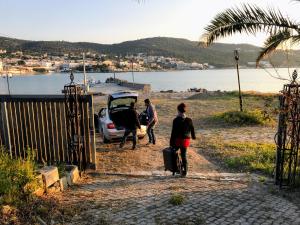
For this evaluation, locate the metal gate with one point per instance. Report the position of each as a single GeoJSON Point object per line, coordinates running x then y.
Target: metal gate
{"type": "Point", "coordinates": [288, 135]}
{"type": "Point", "coordinates": [42, 123]}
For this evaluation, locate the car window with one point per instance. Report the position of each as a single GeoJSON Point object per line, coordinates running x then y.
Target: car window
{"type": "Point", "coordinates": [121, 102]}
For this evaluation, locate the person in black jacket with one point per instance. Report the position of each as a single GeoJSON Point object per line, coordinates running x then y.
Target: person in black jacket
{"type": "Point", "coordinates": [182, 132]}
{"type": "Point", "coordinates": [131, 124]}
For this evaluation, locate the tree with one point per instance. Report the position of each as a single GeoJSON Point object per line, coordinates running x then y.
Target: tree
{"type": "Point", "coordinates": [251, 19]}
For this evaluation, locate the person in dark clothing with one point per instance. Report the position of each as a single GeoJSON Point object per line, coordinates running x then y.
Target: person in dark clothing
{"type": "Point", "coordinates": [182, 132]}
{"type": "Point", "coordinates": [152, 121]}
{"type": "Point", "coordinates": [131, 125]}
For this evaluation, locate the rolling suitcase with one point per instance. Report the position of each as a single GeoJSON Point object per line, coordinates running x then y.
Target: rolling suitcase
{"type": "Point", "coordinates": [170, 159]}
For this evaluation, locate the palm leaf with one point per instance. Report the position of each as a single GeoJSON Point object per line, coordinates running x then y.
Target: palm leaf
{"type": "Point", "coordinates": [273, 42]}
{"type": "Point", "coordinates": [249, 19]}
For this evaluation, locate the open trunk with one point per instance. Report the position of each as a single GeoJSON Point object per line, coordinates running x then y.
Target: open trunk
{"type": "Point", "coordinates": [118, 117]}
{"type": "Point", "coordinates": [118, 105]}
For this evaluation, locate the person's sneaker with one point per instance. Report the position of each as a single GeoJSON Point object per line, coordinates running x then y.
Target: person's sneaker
{"type": "Point", "coordinates": [121, 145]}
{"type": "Point", "coordinates": [133, 147]}
{"type": "Point", "coordinates": [149, 143]}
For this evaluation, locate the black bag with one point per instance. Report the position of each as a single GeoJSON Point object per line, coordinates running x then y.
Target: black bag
{"type": "Point", "coordinates": [169, 155]}
{"type": "Point", "coordinates": [97, 123]}
{"type": "Point", "coordinates": [143, 117]}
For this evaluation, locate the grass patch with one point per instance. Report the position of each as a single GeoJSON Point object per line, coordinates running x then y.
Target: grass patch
{"type": "Point", "coordinates": [244, 157]}
{"type": "Point", "coordinates": [261, 179]}
{"type": "Point", "coordinates": [176, 199]}
{"type": "Point", "coordinates": [17, 178]}
{"type": "Point", "coordinates": [234, 94]}
{"type": "Point", "coordinates": [255, 117]}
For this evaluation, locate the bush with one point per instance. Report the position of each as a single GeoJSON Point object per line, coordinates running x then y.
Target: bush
{"type": "Point", "coordinates": [176, 199]}
{"type": "Point", "coordinates": [255, 117]}
{"type": "Point", "coordinates": [17, 178]}
{"type": "Point", "coordinates": [245, 156]}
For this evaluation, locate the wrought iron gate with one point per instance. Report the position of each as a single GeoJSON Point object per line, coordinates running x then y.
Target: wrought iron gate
{"type": "Point", "coordinates": [73, 95]}
{"type": "Point", "coordinates": [288, 136]}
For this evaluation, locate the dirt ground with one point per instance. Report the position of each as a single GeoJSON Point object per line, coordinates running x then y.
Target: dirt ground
{"type": "Point", "coordinates": [112, 159]}
{"type": "Point", "coordinates": [118, 194]}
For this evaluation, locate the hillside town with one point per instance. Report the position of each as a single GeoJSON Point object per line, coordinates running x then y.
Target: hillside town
{"type": "Point", "coordinates": [20, 63]}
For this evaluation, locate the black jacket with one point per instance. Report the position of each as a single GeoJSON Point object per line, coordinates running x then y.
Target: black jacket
{"type": "Point", "coordinates": [132, 121]}
{"type": "Point", "coordinates": [182, 128]}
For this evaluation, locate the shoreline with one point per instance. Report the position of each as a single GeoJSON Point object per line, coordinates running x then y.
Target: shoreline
{"type": "Point", "coordinates": [26, 73]}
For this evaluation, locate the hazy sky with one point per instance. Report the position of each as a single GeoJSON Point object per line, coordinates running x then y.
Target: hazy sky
{"type": "Point", "coordinates": [113, 21]}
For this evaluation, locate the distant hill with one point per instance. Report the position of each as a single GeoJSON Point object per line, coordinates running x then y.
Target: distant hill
{"type": "Point", "coordinates": [220, 55]}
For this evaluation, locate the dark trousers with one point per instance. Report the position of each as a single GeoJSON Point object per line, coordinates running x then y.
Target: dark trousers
{"type": "Point", "coordinates": [150, 132]}
{"type": "Point", "coordinates": [183, 158]}
{"type": "Point", "coordinates": [126, 134]}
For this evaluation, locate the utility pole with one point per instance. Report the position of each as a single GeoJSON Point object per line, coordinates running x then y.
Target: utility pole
{"type": "Point", "coordinates": [7, 75]}
{"type": "Point", "coordinates": [236, 57]}
{"type": "Point", "coordinates": [84, 74]}
{"type": "Point", "coordinates": [132, 71]}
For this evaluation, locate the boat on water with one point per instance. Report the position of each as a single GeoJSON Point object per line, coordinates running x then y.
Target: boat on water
{"type": "Point", "coordinates": [92, 83]}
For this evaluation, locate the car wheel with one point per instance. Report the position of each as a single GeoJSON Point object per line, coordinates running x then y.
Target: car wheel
{"type": "Point", "coordinates": [104, 139]}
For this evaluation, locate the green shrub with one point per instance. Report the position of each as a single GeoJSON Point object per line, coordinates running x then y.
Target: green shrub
{"type": "Point", "coordinates": [17, 177]}
{"type": "Point", "coordinates": [255, 117]}
{"type": "Point", "coordinates": [176, 199]}
{"type": "Point", "coordinates": [246, 156]}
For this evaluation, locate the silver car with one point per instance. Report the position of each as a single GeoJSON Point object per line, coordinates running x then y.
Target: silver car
{"type": "Point", "coordinates": [111, 119]}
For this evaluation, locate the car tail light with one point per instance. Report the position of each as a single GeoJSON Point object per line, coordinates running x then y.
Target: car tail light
{"type": "Point", "coordinates": [111, 126]}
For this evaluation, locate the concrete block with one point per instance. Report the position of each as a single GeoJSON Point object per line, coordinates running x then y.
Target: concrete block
{"type": "Point", "coordinates": [69, 180]}
{"type": "Point", "coordinates": [49, 175]}
{"type": "Point", "coordinates": [39, 192]}
{"type": "Point", "coordinates": [53, 189]}
{"type": "Point", "coordinates": [72, 174]}
{"type": "Point", "coordinates": [63, 183]}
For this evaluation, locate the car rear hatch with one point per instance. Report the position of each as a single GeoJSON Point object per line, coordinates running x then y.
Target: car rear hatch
{"type": "Point", "coordinates": [118, 103]}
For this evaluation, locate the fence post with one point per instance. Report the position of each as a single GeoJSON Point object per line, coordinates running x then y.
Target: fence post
{"type": "Point", "coordinates": [92, 131]}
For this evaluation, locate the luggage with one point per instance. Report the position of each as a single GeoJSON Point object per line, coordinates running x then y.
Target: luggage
{"type": "Point", "coordinates": [143, 118]}
{"type": "Point", "coordinates": [169, 155]}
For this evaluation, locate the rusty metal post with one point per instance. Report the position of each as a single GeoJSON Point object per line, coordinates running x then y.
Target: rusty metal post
{"type": "Point", "coordinates": [236, 56]}
{"type": "Point", "coordinates": [288, 135]}
{"type": "Point", "coordinates": [73, 94]}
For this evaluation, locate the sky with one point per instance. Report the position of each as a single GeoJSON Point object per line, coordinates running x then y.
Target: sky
{"type": "Point", "coordinates": [115, 21]}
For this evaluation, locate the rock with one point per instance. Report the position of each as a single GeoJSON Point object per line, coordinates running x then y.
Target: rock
{"type": "Point", "coordinates": [39, 192]}
{"type": "Point", "coordinates": [69, 179]}
{"type": "Point", "coordinates": [50, 175]}
{"type": "Point", "coordinates": [63, 183]}
{"type": "Point", "coordinates": [53, 189]}
{"type": "Point", "coordinates": [72, 174]}
{"type": "Point", "coordinates": [6, 209]}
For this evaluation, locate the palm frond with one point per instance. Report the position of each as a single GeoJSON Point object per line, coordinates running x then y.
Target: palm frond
{"type": "Point", "coordinates": [273, 42]}
{"type": "Point", "coordinates": [249, 19]}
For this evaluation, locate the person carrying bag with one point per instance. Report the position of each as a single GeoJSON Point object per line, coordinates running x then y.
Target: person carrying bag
{"type": "Point", "coordinates": [182, 132]}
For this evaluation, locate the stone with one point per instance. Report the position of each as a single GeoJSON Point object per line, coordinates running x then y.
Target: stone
{"type": "Point", "coordinates": [53, 189]}
{"type": "Point", "coordinates": [63, 183]}
{"type": "Point", "coordinates": [69, 180]}
{"type": "Point", "coordinates": [49, 175]}
{"type": "Point", "coordinates": [72, 174]}
{"type": "Point", "coordinates": [39, 192]}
